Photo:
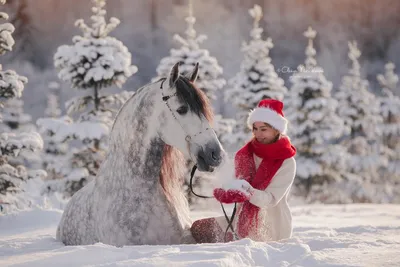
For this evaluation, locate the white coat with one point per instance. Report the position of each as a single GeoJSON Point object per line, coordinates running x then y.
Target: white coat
{"type": "Point", "coordinates": [275, 217]}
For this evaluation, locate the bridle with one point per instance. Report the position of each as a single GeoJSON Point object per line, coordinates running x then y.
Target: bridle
{"type": "Point", "coordinates": [188, 139]}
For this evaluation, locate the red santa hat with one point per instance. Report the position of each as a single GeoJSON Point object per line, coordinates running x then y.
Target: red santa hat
{"type": "Point", "coordinates": [269, 111]}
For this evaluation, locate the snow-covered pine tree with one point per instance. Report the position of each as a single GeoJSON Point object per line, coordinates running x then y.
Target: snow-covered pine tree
{"type": "Point", "coordinates": [13, 178]}
{"type": "Point", "coordinates": [16, 121]}
{"type": "Point", "coordinates": [55, 146]}
{"type": "Point", "coordinates": [256, 79]}
{"type": "Point", "coordinates": [314, 125]}
{"type": "Point", "coordinates": [390, 111]}
{"type": "Point", "coordinates": [209, 80]}
{"type": "Point", "coordinates": [53, 101]}
{"type": "Point", "coordinates": [359, 109]}
{"type": "Point", "coordinates": [14, 118]}
{"type": "Point", "coordinates": [92, 63]}
{"type": "Point", "coordinates": [223, 128]}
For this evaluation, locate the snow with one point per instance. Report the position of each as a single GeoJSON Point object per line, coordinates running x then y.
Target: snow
{"type": "Point", "coordinates": [109, 62]}
{"type": "Point", "coordinates": [58, 127]}
{"type": "Point", "coordinates": [6, 39]}
{"type": "Point", "coordinates": [14, 117]}
{"type": "Point", "coordinates": [11, 84]}
{"type": "Point", "coordinates": [239, 185]}
{"type": "Point", "coordinates": [324, 235]}
{"type": "Point", "coordinates": [12, 144]}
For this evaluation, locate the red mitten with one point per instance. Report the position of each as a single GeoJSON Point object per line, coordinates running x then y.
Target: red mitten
{"type": "Point", "coordinates": [230, 196]}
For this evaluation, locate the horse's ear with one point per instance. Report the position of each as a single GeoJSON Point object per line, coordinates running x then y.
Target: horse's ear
{"type": "Point", "coordinates": [173, 75]}
{"type": "Point", "coordinates": [192, 76]}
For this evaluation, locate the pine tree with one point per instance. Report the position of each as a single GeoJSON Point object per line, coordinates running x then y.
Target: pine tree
{"type": "Point", "coordinates": [390, 111]}
{"type": "Point", "coordinates": [209, 80]}
{"type": "Point", "coordinates": [13, 178]}
{"type": "Point", "coordinates": [223, 127]}
{"type": "Point", "coordinates": [256, 79]}
{"type": "Point", "coordinates": [53, 102]}
{"type": "Point", "coordinates": [94, 62]}
{"type": "Point", "coordinates": [315, 126]}
{"type": "Point", "coordinates": [210, 72]}
{"type": "Point", "coordinates": [361, 178]}
{"type": "Point", "coordinates": [55, 146]}
{"type": "Point", "coordinates": [16, 121]}
{"type": "Point", "coordinates": [14, 118]}
{"type": "Point", "coordinates": [360, 110]}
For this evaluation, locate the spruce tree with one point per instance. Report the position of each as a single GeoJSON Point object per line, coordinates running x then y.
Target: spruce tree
{"type": "Point", "coordinates": [314, 125]}
{"type": "Point", "coordinates": [256, 80]}
{"type": "Point", "coordinates": [209, 80]}
{"type": "Point", "coordinates": [13, 179]}
{"type": "Point", "coordinates": [359, 109]}
{"type": "Point", "coordinates": [95, 61]}
{"type": "Point", "coordinates": [390, 112]}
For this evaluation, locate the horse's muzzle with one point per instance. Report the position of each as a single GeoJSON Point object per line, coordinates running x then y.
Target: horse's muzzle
{"type": "Point", "coordinates": [209, 157]}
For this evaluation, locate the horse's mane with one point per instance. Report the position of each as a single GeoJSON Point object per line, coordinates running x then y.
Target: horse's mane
{"type": "Point", "coordinates": [171, 174]}
{"type": "Point", "coordinates": [173, 164]}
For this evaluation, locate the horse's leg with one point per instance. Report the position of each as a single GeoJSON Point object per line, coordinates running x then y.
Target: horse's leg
{"type": "Point", "coordinates": [208, 231]}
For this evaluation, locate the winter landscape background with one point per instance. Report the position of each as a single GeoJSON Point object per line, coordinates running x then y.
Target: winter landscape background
{"type": "Point", "coordinates": [68, 66]}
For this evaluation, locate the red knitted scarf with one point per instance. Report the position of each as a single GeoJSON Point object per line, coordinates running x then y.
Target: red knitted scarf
{"type": "Point", "coordinates": [272, 156]}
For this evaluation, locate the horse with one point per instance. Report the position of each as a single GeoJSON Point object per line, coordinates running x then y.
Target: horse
{"type": "Point", "coordinates": [137, 196]}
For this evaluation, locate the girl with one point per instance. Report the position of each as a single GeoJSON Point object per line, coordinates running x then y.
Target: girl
{"type": "Point", "coordinates": [265, 169]}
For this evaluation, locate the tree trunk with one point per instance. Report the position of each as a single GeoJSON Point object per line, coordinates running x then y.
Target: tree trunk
{"type": "Point", "coordinates": [96, 97]}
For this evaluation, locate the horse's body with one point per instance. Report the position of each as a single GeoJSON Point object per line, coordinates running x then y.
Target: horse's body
{"type": "Point", "coordinates": [136, 197]}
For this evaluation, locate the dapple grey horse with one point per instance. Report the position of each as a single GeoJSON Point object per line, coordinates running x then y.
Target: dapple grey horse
{"type": "Point", "coordinates": [137, 196]}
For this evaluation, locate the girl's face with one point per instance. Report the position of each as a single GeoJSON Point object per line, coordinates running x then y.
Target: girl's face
{"type": "Point", "coordinates": [264, 133]}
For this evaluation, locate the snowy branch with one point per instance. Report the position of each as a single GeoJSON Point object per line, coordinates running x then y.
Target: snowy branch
{"type": "Point", "coordinates": [11, 84]}
{"type": "Point", "coordinates": [12, 144]}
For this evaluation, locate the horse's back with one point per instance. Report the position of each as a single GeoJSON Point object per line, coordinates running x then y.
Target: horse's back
{"type": "Point", "coordinates": [76, 226]}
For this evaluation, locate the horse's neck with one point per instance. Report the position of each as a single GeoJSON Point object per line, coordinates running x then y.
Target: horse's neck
{"type": "Point", "coordinates": [134, 143]}
{"type": "Point", "coordinates": [136, 151]}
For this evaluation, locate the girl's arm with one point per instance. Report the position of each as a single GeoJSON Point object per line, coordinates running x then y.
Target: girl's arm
{"type": "Point", "coordinates": [279, 186]}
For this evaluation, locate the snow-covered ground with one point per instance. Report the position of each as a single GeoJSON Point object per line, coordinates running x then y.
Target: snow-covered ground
{"type": "Point", "coordinates": [337, 235]}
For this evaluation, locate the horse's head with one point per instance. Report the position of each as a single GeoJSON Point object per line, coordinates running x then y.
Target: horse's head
{"type": "Point", "coordinates": [186, 115]}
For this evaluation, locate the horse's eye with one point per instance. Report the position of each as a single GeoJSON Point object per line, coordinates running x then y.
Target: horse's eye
{"type": "Point", "coordinates": [182, 110]}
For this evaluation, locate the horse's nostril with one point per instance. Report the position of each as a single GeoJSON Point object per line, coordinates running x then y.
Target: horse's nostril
{"type": "Point", "coordinates": [214, 156]}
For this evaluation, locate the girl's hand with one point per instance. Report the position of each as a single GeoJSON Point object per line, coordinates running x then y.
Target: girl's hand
{"type": "Point", "coordinates": [236, 191]}
{"type": "Point", "coordinates": [230, 196]}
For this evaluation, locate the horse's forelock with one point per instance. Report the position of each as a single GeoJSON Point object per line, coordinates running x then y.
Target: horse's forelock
{"type": "Point", "coordinates": [207, 108]}
{"type": "Point", "coordinates": [196, 99]}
